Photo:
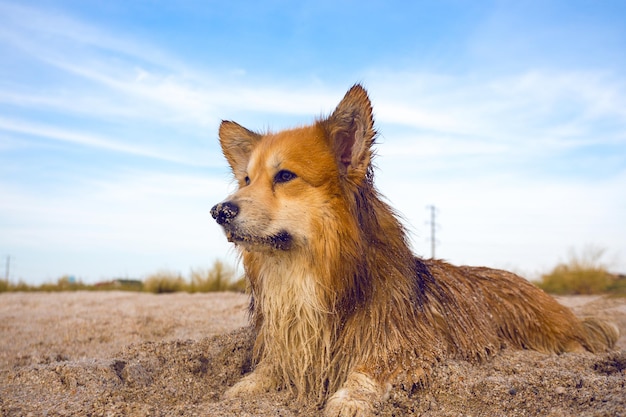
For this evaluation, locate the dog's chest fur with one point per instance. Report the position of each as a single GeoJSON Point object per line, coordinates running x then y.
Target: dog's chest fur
{"type": "Point", "coordinates": [295, 328]}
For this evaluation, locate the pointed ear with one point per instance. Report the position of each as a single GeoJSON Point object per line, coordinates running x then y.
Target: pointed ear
{"type": "Point", "coordinates": [351, 132]}
{"type": "Point", "coordinates": [237, 145]}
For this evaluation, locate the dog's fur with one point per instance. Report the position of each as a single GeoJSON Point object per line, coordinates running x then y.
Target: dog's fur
{"type": "Point", "coordinates": [342, 308]}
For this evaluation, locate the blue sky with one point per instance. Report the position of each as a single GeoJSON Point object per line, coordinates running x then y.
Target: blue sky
{"type": "Point", "coordinates": [509, 117]}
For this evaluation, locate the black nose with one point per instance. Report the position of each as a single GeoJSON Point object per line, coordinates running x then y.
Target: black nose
{"type": "Point", "coordinates": [223, 213]}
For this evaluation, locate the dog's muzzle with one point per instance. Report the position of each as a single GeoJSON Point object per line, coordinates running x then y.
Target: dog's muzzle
{"type": "Point", "coordinates": [225, 212]}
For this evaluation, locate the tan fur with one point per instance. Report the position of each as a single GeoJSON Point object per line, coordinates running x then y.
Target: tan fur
{"type": "Point", "coordinates": [341, 306]}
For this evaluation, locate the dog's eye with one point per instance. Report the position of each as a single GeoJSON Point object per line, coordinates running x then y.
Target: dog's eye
{"type": "Point", "coordinates": [247, 180]}
{"type": "Point", "coordinates": [284, 176]}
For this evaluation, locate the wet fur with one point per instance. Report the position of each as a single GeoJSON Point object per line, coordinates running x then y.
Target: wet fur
{"type": "Point", "coordinates": [341, 306]}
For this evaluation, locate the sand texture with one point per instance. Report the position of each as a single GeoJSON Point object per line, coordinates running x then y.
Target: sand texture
{"type": "Point", "coordinates": [119, 354]}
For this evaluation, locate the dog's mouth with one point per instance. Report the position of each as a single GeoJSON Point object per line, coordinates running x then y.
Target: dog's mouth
{"type": "Point", "coordinates": [282, 240]}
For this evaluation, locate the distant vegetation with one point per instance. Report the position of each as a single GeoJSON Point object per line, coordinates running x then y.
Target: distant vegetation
{"type": "Point", "coordinates": [583, 273]}
{"type": "Point", "coordinates": [217, 278]}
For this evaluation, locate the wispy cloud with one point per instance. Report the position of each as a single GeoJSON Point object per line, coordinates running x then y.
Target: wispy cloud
{"type": "Point", "coordinates": [528, 112]}
{"type": "Point", "coordinates": [441, 114]}
{"type": "Point", "coordinates": [84, 139]}
{"type": "Point", "coordinates": [50, 34]}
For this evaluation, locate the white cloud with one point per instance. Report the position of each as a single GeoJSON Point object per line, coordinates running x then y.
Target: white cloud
{"type": "Point", "coordinates": [50, 34]}
{"type": "Point", "coordinates": [85, 139]}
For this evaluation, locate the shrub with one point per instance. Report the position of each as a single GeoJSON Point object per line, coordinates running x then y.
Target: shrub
{"type": "Point", "coordinates": [218, 278]}
{"type": "Point", "coordinates": [164, 282]}
{"type": "Point", "coordinates": [582, 274]}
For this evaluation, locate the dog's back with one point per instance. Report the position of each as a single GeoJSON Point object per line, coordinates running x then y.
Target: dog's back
{"type": "Point", "coordinates": [484, 309]}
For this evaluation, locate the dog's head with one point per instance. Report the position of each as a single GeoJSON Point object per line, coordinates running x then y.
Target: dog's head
{"type": "Point", "coordinates": [293, 185]}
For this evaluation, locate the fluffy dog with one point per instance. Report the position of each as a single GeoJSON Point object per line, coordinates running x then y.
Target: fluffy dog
{"type": "Point", "coordinates": [341, 307]}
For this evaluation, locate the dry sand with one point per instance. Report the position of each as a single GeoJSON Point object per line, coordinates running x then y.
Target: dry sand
{"type": "Point", "coordinates": [118, 354]}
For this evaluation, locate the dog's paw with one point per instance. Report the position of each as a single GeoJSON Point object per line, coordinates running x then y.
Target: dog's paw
{"type": "Point", "coordinates": [356, 398]}
{"type": "Point", "coordinates": [343, 404]}
{"type": "Point", "coordinates": [257, 382]}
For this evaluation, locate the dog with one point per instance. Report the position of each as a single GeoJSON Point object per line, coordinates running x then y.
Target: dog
{"type": "Point", "coordinates": [341, 307]}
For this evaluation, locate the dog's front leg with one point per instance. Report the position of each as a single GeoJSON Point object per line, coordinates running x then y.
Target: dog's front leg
{"type": "Point", "coordinates": [357, 396]}
{"type": "Point", "coordinates": [261, 380]}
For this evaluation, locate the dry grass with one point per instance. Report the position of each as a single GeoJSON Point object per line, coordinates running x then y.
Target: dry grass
{"type": "Point", "coordinates": [583, 273]}
{"type": "Point", "coordinates": [164, 282]}
{"type": "Point", "coordinates": [219, 277]}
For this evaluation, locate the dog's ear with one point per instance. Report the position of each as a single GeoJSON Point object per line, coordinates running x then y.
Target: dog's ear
{"type": "Point", "coordinates": [351, 132]}
{"type": "Point", "coordinates": [237, 145]}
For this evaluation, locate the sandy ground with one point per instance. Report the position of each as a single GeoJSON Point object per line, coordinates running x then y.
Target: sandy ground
{"type": "Point", "coordinates": [118, 354]}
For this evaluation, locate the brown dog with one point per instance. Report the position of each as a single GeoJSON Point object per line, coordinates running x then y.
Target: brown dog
{"type": "Point", "coordinates": [341, 307]}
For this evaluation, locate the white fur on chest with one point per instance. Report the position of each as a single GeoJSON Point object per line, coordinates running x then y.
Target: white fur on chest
{"type": "Point", "coordinates": [288, 288]}
{"type": "Point", "coordinates": [295, 328]}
